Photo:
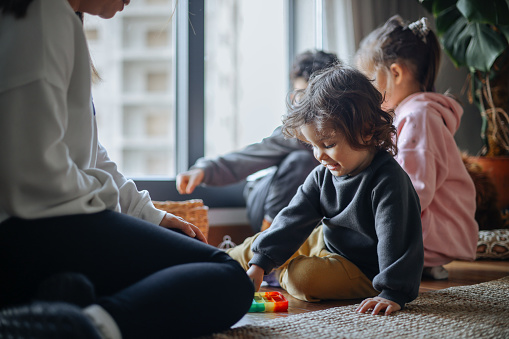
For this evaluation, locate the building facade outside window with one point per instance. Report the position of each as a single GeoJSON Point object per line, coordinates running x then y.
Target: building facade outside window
{"type": "Point", "coordinates": [246, 72]}
{"type": "Point", "coordinates": [135, 100]}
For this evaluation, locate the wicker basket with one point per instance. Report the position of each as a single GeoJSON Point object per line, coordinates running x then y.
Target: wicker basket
{"type": "Point", "coordinates": [192, 211]}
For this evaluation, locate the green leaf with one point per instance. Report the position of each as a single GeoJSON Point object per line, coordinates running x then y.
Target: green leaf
{"type": "Point", "coordinates": [445, 18]}
{"type": "Point", "coordinates": [484, 48]}
{"type": "Point", "coordinates": [495, 12]}
{"type": "Point", "coordinates": [441, 5]}
{"type": "Point", "coordinates": [455, 41]}
{"type": "Point", "coordinates": [474, 45]}
{"type": "Point", "coordinates": [502, 12]}
{"type": "Point", "coordinates": [505, 31]}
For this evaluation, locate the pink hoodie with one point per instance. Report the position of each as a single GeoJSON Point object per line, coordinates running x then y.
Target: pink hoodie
{"type": "Point", "coordinates": [426, 123]}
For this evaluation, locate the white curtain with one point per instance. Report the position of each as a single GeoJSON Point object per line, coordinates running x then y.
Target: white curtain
{"type": "Point", "coordinates": [369, 14]}
{"type": "Point", "coordinates": [339, 28]}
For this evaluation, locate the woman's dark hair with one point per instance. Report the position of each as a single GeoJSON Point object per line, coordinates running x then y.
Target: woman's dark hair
{"type": "Point", "coordinates": [413, 44]}
{"type": "Point", "coordinates": [306, 63]}
{"type": "Point", "coordinates": [16, 7]}
{"type": "Point", "coordinates": [343, 99]}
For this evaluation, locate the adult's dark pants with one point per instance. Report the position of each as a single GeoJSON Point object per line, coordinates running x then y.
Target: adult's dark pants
{"type": "Point", "coordinates": [268, 195]}
{"type": "Point", "coordinates": [155, 283]}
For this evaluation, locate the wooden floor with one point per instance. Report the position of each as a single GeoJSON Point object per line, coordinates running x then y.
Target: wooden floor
{"type": "Point", "coordinates": [460, 273]}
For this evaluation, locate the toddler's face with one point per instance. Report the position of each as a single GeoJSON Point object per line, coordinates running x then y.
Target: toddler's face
{"type": "Point", "coordinates": [333, 152]}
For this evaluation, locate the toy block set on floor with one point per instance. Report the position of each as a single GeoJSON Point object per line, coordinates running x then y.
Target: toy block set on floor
{"type": "Point", "coordinates": [269, 302]}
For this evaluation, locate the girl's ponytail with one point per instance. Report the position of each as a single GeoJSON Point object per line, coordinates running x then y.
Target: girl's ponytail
{"type": "Point", "coordinates": [430, 76]}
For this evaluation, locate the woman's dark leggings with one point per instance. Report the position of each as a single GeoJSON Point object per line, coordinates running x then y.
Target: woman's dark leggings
{"type": "Point", "coordinates": [155, 283]}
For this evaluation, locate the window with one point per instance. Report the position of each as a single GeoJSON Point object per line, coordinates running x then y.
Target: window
{"type": "Point", "coordinates": [233, 61]}
{"type": "Point", "coordinates": [324, 24]}
{"type": "Point", "coordinates": [246, 72]}
{"type": "Point", "coordinates": [135, 101]}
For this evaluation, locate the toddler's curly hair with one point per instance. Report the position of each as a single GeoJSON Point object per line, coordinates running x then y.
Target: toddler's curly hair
{"type": "Point", "coordinates": [342, 98]}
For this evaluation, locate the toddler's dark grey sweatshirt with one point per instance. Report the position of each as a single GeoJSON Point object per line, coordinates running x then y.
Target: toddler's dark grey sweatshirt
{"type": "Point", "coordinates": [372, 219]}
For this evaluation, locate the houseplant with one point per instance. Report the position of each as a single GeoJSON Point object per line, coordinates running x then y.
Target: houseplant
{"type": "Point", "coordinates": [475, 35]}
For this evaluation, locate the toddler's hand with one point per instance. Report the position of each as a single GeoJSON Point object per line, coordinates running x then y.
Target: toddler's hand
{"type": "Point", "coordinates": [376, 305]}
{"type": "Point", "coordinates": [256, 273]}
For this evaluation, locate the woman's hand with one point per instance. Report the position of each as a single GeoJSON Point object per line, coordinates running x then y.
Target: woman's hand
{"type": "Point", "coordinates": [256, 273]}
{"type": "Point", "coordinates": [376, 305]}
{"type": "Point", "coordinates": [187, 181]}
{"type": "Point", "coordinates": [179, 224]}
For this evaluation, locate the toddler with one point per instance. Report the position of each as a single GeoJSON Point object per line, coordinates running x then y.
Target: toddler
{"type": "Point", "coordinates": [403, 59]}
{"type": "Point", "coordinates": [353, 229]}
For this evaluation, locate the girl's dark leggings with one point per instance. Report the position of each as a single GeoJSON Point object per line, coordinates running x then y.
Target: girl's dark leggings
{"type": "Point", "coordinates": [156, 283]}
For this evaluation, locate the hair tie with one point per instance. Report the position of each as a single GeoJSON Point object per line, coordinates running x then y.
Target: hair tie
{"type": "Point", "coordinates": [420, 28]}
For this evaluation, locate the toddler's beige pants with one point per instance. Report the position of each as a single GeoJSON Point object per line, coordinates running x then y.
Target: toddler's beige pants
{"type": "Point", "coordinates": [313, 273]}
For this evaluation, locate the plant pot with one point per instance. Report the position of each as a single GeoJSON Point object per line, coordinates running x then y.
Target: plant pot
{"type": "Point", "coordinates": [498, 169]}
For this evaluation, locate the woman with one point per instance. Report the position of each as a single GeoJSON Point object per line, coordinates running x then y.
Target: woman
{"type": "Point", "coordinates": [64, 207]}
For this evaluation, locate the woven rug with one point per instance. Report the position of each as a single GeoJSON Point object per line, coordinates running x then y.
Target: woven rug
{"type": "Point", "coordinates": [476, 311]}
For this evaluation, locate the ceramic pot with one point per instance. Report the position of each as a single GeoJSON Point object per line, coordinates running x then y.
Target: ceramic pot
{"type": "Point", "coordinates": [498, 169]}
